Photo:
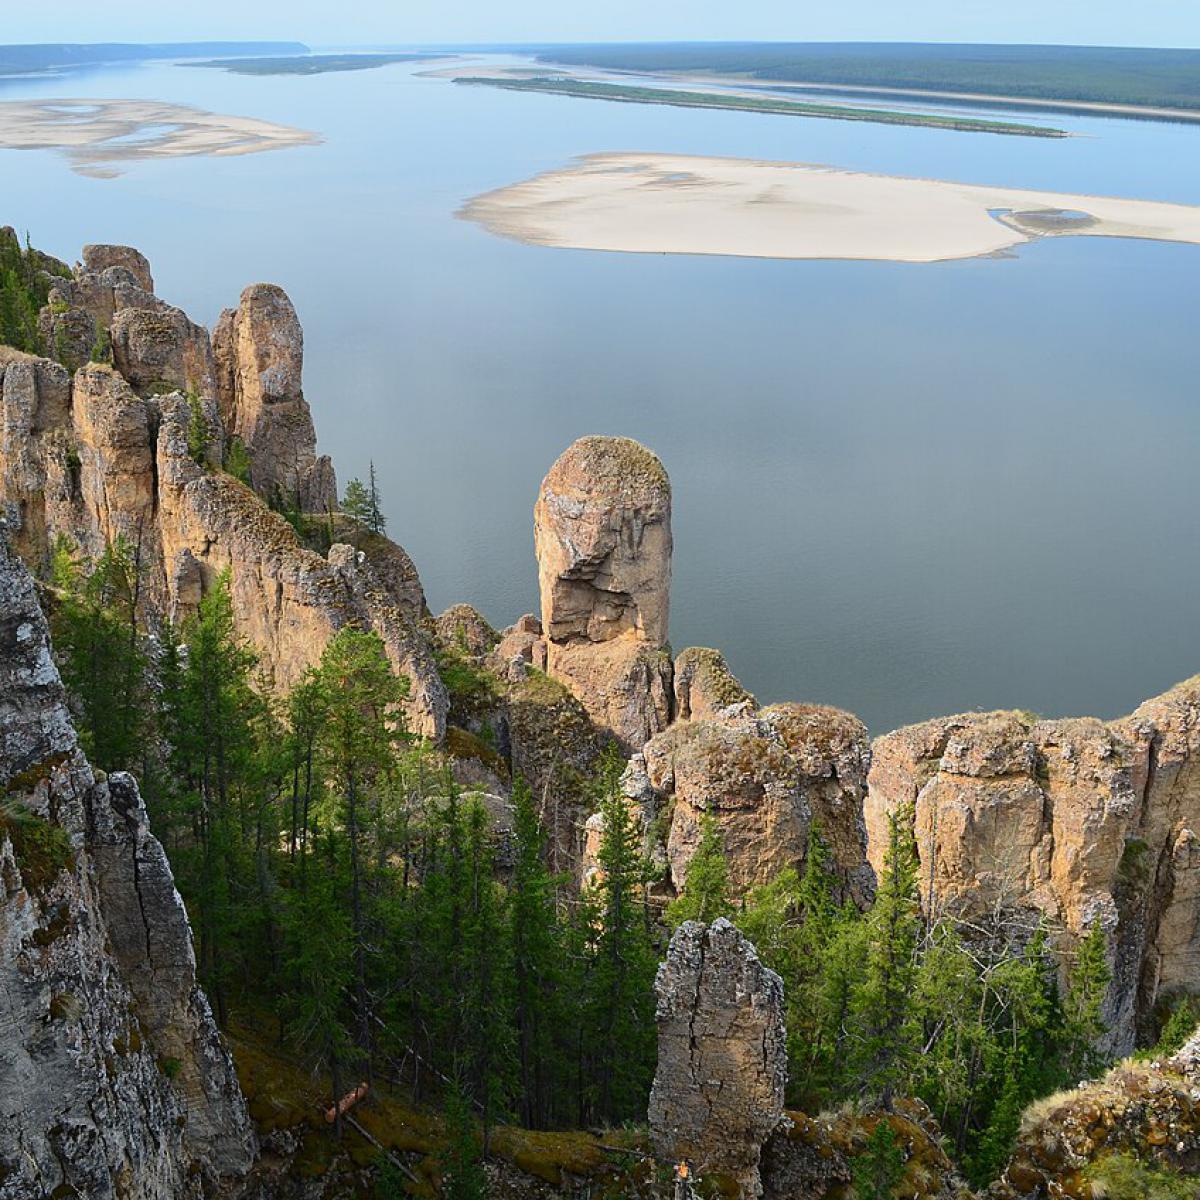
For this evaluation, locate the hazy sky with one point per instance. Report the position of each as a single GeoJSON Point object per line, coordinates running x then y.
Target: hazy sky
{"type": "Point", "coordinates": [1110, 22]}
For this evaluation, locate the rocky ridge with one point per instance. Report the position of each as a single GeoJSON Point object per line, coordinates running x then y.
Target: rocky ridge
{"type": "Point", "coordinates": [92, 451]}
{"type": "Point", "coordinates": [117, 1083]}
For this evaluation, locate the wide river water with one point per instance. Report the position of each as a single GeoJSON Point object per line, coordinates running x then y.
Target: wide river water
{"type": "Point", "coordinates": [905, 490]}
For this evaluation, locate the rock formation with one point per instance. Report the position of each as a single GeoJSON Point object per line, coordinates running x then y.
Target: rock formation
{"type": "Point", "coordinates": [1145, 1110]}
{"type": "Point", "coordinates": [103, 452]}
{"type": "Point", "coordinates": [116, 1083]}
{"type": "Point", "coordinates": [765, 777]}
{"type": "Point", "coordinates": [602, 531]}
{"type": "Point", "coordinates": [259, 348]}
{"type": "Point", "coordinates": [1078, 821]}
{"type": "Point", "coordinates": [705, 687]}
{"type": "Point", "coordinates": [722, 1055]}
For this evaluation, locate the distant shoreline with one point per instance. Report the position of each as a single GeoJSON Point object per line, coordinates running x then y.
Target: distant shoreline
{"type": "Point", "coordinates": [681, 204]}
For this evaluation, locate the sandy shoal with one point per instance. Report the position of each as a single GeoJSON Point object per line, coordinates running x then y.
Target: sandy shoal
{"type": "Point", "coordinates": [683, 204]}
{"type": "Point", "coordinates": [100, 135]}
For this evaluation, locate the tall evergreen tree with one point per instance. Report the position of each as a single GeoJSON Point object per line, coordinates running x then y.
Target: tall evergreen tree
{"type": "Point", "coordinates": [705, 896]}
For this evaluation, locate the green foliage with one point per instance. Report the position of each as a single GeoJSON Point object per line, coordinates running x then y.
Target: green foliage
{"type": "Point", "coordinates": [1123, 1177]}
{"type": "Point", "coordinates": [362, 502]}
{"type": "Point", "coordinates": [1181, 1022]}
{"type": "Point", "coordinates": [879, 1168]}
{"type": "Point", "coordinates": [102, 351]}
{"type": "Point", "coordinates": [1100, 74]}
{"type": "Point", "coordinates": [237, 460]}
{"type": "Point", "coordinates": [42, 849]}
{"type": "Point", "coordinates": [101, 655]}
{"type": "Point", "coordinates": [462, 1161]}
{"type": "Point", "coordinates": [23, 291]}
{"type": "Point", "coordinates": [198, 432]}
{"type": "Point", "coordinates": [1083, 1010]}
{"type": "Point", "coordinates": [706, 894]}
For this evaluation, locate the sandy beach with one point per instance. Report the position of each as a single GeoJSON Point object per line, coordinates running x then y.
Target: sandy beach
{"type": "Point", "coordinates": [99, 135]}
{"type": "Point", "coordinates": [681, 204]}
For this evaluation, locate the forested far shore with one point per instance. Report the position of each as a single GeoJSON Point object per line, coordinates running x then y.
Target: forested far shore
{"type": "Point", "coordinates": [1165, 78]}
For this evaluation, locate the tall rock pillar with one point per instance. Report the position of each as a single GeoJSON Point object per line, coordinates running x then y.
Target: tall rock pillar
{"type": "Point", "coordinates": [722, 1055]}
{"type": "Point", "coordinates": [602, 532]}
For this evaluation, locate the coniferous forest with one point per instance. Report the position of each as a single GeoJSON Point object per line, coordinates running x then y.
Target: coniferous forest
{"type": "Point", "coordinates": [343, 889]}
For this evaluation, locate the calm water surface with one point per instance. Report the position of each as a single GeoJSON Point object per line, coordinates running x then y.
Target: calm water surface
{"type": "Point", "coordinates": [906, 490]}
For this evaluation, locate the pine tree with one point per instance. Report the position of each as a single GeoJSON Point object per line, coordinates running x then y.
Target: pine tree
{"type": "Point", "coordinates": [620, 975]}
{"type": "Point", "coordinates": [537, 965]}
{"type": "Point", "coordinates": [878, 1170]}
{"type": "Point", "coordinates": [359, 737]}
{"type": "Point", "coordinates": [885, 1002]}
{"type": "Point", "coordinates": [705, 896]}
{"type": "Point", "coordinates": [198, 433]}
{"type": "Point", "coordinates": [1084, 1006]}
{"type": "Point", "coordinates": [356, 503]}
{"type": "Point", "coordinates": [103, 664]}
{"type": "Point", "coordinates": [375, 522]}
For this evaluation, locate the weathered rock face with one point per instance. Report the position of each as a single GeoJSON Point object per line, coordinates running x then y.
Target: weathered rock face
{"type": "Point", "coordinates": [602, 532]}
{"type": "Point", "coordinates": [1082, 821]}
{"type": "Point", "coordinates": [705, 687]}
{"type": "Point", "coordinates": [722, 1054]}
{"type": "Point", "coordinates": [98, 993]}
{"type": "Point", "coordinates": [259, 348]}
{"type": "Point", "coordinates": [104, 454]}
{"type": "Point", "coordinates": [100, 257]}
{"type": "Point", "coordinates": [765, 778]}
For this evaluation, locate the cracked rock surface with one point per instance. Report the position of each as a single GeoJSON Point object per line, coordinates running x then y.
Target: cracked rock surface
{"type": "Point", "coordinates": [113, 1079]}
{"type": "Point", "coordinates": [722, 1054]}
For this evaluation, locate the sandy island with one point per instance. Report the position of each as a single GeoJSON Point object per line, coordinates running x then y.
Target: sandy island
{"type": "Point", "coordinates": [97, 135]}
{"type": "Point", "coordinates": [680, 204]}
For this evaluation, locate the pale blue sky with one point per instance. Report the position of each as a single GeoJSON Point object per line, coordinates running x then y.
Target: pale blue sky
{"type": "Point", "coordinates": [1108, 22]}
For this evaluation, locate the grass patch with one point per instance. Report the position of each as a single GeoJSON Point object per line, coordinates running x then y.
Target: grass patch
{"type": "Point", "coordinates": [41, 848]}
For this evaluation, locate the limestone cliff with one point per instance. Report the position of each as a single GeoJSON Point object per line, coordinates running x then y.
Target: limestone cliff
{"type": "Point", "coordinates": [93, 451]}
{"type": "Point", "coordinates": [116, 1083]}
{"type": "Point", "coordinates": [1078, 822]}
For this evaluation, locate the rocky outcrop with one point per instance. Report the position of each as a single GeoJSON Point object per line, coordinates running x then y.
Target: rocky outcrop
{"type": "Point", "coordinates": [722, 1055]}
{"type": "Point", "coordinates": [705, 687]}
{"type": "Point", "coordinates": [602, 532]}
{"type": "Point", "coordinates": [99, 258]}
{"type": "Point", "coordinates": [1078, 822]}
{"type": "Point", "coordinates": [765, 778]}
{"type": "Point", "coordinates": [259, 348]}
{"type": "Point", "coordinates": [104, 452]}
{"type": "Point", "coordinates": [1145, 1111]}
{"type": "Point", "coordinates": [116, 1083]}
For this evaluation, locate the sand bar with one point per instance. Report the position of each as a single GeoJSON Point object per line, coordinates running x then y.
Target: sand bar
{"type": "Point", "coordinates": [99, 135]}
{"type": "Point", "coordinates": [682, 204]}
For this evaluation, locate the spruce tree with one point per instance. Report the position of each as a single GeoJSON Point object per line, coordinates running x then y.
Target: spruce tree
{"type": "Point", "coordinates": [889, 1033]}
{"type": "Point", "coordinates": [620, 977]}
{"type": "Point", "coordinates": [705, 896]}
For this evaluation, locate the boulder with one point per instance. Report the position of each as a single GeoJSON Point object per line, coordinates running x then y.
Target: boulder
{"type": "Point", "coordinates": [602, 533]}
{"type": "Point", "coordinates": [259, 350]}
{"type": "Point", "coordinates": [722, 1055]}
